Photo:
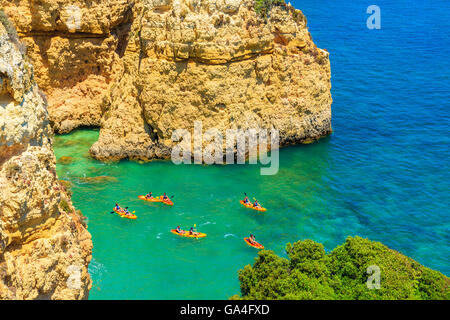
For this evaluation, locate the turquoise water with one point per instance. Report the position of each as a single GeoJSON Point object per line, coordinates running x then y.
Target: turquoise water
{"type": "Point", "coordinates": [382, 174]}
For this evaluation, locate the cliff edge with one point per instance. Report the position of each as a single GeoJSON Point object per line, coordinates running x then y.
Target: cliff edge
{"type": "Point", "coordinates": [45, 247]}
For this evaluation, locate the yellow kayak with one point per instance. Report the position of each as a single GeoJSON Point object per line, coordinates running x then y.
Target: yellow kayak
{"type": "Point", "coordinates": [158, 199]}
{"type": "Point", "coordinates": [186, 234]}
{"type": "Point", "coordinates": [123, 215]}
{"type": "Point", "coordinates": [250, 206]}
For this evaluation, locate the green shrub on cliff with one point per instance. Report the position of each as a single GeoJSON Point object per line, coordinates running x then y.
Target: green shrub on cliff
{"type": "Point", "coordinates": [263, 7]}
{"type": "Point", "coordinates": [311, 273]}
{"type": "Point", "coordinates": [64, 205]}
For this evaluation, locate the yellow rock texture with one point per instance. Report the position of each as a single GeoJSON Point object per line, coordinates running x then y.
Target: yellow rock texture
{"type": "Point", "coordinates": [45, 247]}
{"type": "Point", "coordinates": [218, 62]}
{"type": "Point", "coordinates": [73, 46]}
{"type": "Point", "coordinates": [141, 69]}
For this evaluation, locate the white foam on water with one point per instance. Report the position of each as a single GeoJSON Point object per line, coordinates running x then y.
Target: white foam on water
{"type": "Point", "coordinates": [96, 268]}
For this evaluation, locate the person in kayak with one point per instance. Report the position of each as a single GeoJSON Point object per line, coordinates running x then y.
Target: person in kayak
{"type": "Point", "coordinates": [178, 229]}
{"type": "Point", "coordinates": [192, 231]}
{"type": "Point", "coordinates": [256, 204]}
{"type": "Point", "coordinates": [246, 200]}
{"type": "Point", "coordinates": [127, 212]}
{"type": "Point", "coordinates": [165, 197]}
{"type": "Point", "coordinates": [149, 195]}
{"type": "Point", "coordinates": [252, 239]}
{"type": "Point", "coordinates": [117, 207]}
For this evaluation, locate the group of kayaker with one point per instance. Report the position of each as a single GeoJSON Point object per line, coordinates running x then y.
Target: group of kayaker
{"type": "Point", "coordinates": [255, 206]}
{"type": "Point", "coordinates": [124, 213]}
{"type": "Point", "coordinates": [164, 198]}
{"type": "Point", "coordinates": [149, 196]}
{"type": "Point", "coordinates": [192, 231]}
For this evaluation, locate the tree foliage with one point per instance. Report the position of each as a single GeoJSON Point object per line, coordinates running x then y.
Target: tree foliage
{"type": "Point", "coordinates": [311, 273]}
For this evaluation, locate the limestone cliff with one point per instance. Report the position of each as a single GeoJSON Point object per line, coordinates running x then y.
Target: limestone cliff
{"type": "Point", "coordinates": [44, 245]}
{"type": "Point", "coordinates": [141, 69]}
{"type": "Point", "coordinates": [73, 46]}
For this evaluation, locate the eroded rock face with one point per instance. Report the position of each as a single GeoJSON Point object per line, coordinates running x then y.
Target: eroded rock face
{"type": "Point", "coordinates": [141, 69]}
{"type": "Point", "coordinates": [73, 46]}
{"type": "Point", "coordinates": [220, 63]}
{"type": "Point", "coordinates": [44, 245]}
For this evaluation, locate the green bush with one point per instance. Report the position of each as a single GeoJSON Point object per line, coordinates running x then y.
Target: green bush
{"type": "Point", "coordinates": [64, 205]}
{"type": "Point", "coordinates": [263, 7]}
{"type": "Point", "coordinates": [311, 273]}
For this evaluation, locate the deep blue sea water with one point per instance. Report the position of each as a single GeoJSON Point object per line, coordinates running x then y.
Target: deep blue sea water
{"type": "Point", "coordinates": [383, 173]}
{"type": "Point", "coordinates": [389, 154]}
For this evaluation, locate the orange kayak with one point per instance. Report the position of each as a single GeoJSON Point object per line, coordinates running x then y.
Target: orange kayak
{"type": "Point", "coordinates": [250, 206]}
{"type": "Point", "coordinates": [186, 234]}
{"type": "Point", "coordinates": [254, 245]}
{"type": "Point", "coordinates": [168, 201]}
{"type": "Point", "coordinates": [123, 215]}
{"type": "Point", "coordinates": [157, 199]}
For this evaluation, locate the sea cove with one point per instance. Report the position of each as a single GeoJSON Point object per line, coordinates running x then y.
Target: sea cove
{"type": "Point", "coordinates": [355, 204]}
{"type": "Point", "coordinates": [381, 174]}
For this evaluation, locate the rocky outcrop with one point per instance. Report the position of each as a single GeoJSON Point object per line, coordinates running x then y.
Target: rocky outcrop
{"type": "Point", "coordinates": [44, 245]}
{"type": "Point", "coordinates": [219, 63]}
{"type": "Point", "coordinates": [141, 69]}
{"type": "Point", "coordinates": [73, 46]}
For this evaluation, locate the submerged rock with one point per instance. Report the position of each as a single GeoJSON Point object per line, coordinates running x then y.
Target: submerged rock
{"type": "Point", "coordinates": [65, 160]}
{"type": "Point", "coordinates": [98, 179]}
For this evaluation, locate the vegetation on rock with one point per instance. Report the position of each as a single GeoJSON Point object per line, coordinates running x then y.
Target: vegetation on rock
{"type": "Point", "coordinates": [64, 205]}
{"type": "Point", "coordinates": [263, 7]}
{"type": "Point", "coordinates": [67, 187]}
{"type": "Point", "coordinates": [311, 273]}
